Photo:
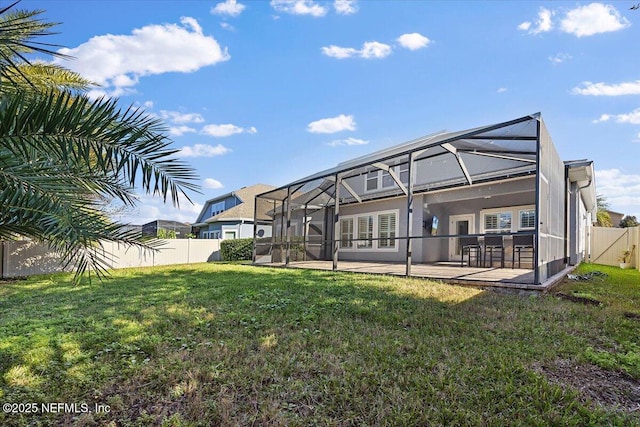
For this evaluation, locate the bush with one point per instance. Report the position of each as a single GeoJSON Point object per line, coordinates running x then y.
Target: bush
{"type": "Point", "coordinates": [236, 250]}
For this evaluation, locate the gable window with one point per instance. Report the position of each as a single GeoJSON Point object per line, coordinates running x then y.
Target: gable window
{"type": "Point", "coordinates": [387, 230]}
{"type": "Point", "coordinates": [217, 208]}
{"type": "Point", "coordinates": [527, 219]}
{"type": "Point", "coordinates": [379, 179]}
{"type": "Point", "coordinates": [365, 231]}
{"type": "Point", "coordinates": [346, 233]}
{"type": "Point", "coordinates": [372, 180]}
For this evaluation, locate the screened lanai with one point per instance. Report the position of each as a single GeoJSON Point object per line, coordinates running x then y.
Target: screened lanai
{"type": "Point", "coordinates": [484, 204]}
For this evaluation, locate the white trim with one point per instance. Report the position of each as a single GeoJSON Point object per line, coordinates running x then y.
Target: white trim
{"type": "Point", "coordinates": [374, 247]}
{"type": "Point", "coordinates": [471, 218]}
{"type": "Point", "coordinates": [515, 217]}
{"type": "Point", "coordinates": [379, 178]}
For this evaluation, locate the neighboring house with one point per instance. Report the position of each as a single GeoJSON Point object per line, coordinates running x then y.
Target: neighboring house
{"type": "Point", "coordinates": [616, 218]}
{"type": "Point", "coordinates": [421, 202]}
{"type": "Point", "coordinates": [230, 216]}
{"type": "Point", "coordinates": [151, 229]}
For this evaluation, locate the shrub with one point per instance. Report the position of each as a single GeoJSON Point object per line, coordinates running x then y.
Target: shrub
{"type": "Point", "coordinates": [237, 249]}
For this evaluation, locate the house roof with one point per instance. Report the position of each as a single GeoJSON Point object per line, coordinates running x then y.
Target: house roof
{"type": "Point", "coordinates": [243, 210]}
{"type": "Point", "coordinates": [478, 154]}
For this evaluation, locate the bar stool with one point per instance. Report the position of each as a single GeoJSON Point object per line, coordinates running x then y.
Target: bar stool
{"type": "Point", "coordinates": [470, 244]}
{"type": "Point", "coordinates": [522, 243]}
{"type": "Point", "coordinates": [493, 244]}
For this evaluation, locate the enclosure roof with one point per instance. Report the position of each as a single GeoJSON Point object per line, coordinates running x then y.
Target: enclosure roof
{"type": "Point", "coordinates": [486, 152]}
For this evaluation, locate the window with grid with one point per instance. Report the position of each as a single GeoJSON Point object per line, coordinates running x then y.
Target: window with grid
{"type": "Point", "coordinates": [387, 181]}
{"type": "Point", "coordinates": [498, 222]}
{"type": "Point", "coordinates": [372, 180]}
{"type": "Point", "coordinates": [527, 219]}
{"type": "Point", "coordinates": [346, 233]}
{"type": "Point", "coordinates": [404, 173]}
{"type": "Point", "coordinates": [365, 231]}
{"type": "Point", "coordinates": [387, 230]}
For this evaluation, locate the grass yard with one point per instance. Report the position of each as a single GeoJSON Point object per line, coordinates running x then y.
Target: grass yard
{"type": "Point", "coordinates": [224, 344]}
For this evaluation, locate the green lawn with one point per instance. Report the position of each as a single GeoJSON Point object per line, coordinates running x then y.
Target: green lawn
{"type": "Point", "coordinates": [224, 344]}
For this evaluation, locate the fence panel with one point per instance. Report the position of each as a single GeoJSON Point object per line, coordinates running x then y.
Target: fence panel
{"type": "Point", "coordinates": [26, 258]}
{"type": "Point", "coordinates": [607, 245]}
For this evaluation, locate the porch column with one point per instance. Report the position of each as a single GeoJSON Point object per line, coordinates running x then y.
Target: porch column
{"type": "Point", "coordinates": [336, 224]}
{"type": "Point", "coordinates": [409, 213]}
{"type": "Point", "coordinates": [304, 233]}
{"type": "Point", "coordinates": [536, 238]}
{"type": "Point", "coordinates": [255, 229]}
{"type": "Point", "coordinates": [288, 255]}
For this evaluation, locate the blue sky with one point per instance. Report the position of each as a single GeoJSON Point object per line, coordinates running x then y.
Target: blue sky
{"type": "Point", "coordinates": [271, 91]}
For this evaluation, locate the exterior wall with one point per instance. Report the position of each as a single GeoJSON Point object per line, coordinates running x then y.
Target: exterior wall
{"type": "Point", "coordinates": [229, 202]}
{"type": "Point", "coordinates": [242, 230]}
{"type": "Point", "coordinates": [27, 258]}
{"type": "Point", "coordinates": [551, 203]}
{"type": "Point", "coordinates": [399, 253]}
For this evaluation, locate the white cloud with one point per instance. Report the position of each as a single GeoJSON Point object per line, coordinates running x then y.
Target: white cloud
{"type": "Point", "coordinates": [116, 62]}
{"type": "Point", "coordinates": [604, 89]}
{"type": "Point", "coordinates": [340, 52]}
{"type": "Point", "coordinates": [212, 184]}
{"type": "Point", "coordinates": [637, 138]}
{"type": "Point", "coordinates": [227, 26]}
{"type": "Point", "coordinates": [148, 104]}
{"type": "Point", "coordinates": [375, 50]}
{"type": "Point", "coordinates": [369, 50]}
{"type": "Point", "coordinates": [203, 150]}
{"type": "Point", "coordinates": [560, 58]}
{"type": "Point", "coordinates": [180, 130]}
{"type": "Point", "coordinates": [593, 19]}
{"type": "Point", "coordinates": [603, 118]}
{"type": "Point", "coordinates": [622, 190]}
{"type": "Point", "coordinates": [345, 7]}
{"type": "Point", "coordinates": [543, 23]}
{"type": "Point", "coordinates": [631, 118]}
{"type": "Point", "coordinates": [588, 20]}
{"type": "Point", "coordinates": [221, 131]}
{"type": "Point", "coordinates": [299, 7]}
{"type": "Point", "coordinates": [151, 208]}
{"type": "Point", "coordinates": [179, 118]}
{"type": "Point", "coordinates": [524, 26]}
{"type": "Point", "coordinates": [413, 41]}
{"type": "Point", "coordinates": [332, 125]}
{"type": "Point", "coordinates": [229, 7]}
{"type": "Point", "coordinates": [502, 90]}
{"type": "Point", "coordinates": [347, 141]}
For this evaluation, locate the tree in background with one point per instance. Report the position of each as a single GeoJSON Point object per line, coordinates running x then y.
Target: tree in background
{"type": "Point", "coordinates": [629, 221]}
{"type": "Point", "coordinates": [603, 219]}
{"type": "Point", "coordinates": [66, 159]}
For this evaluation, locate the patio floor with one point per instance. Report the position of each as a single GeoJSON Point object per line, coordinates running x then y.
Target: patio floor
{"type": "Point", "coordinates": [448, 272]}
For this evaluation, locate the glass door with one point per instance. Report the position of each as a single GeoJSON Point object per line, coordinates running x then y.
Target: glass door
{"type": "Point", "coordinates": [459, 225]}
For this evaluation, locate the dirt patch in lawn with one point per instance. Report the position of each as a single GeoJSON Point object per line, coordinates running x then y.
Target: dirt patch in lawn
{"type": "Point", "coordinates": [609, 389]}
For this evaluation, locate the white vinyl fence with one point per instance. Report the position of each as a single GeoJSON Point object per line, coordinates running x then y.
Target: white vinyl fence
{"type": "Point", "coordinates": [26, 258]}
{"type": "Point", "coordinates": [607, 245]}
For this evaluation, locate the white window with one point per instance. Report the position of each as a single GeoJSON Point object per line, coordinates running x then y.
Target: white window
{"type": "Point", "coordinates": [527, 219]}
{"type": "Point", "coordinates": [508, 219]}
{"type": "Point", "coordinates": [365, 231]}
{"type": "Point", "coordinates": [374, 231]}
{"type": "Point", "coordinates": [372, 180]}
{"type": "Point", "coordinates": [387, 230]}
{"type": "Point", "coordinates": [380, 179]}
{"type": "Point", "coordinates": [229, 235]}
{"type": "Point", "coordinates": [214, 234]}
{"type": "Point", "coordinates": [217, 208]}
{"type": "Point", "coordinates": [499, 222]}
{"type": "Point", "coordinates": [346, 233]}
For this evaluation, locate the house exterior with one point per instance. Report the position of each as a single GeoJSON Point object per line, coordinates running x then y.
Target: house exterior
{"type": "Point", "coordinates": [419, 202]}
{"type": "Point", "coordinates": [151, 229]}
{"type": "Point", "coordinates": [230, 216]}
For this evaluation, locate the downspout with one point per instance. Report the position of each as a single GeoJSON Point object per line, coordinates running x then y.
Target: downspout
{"type": "Point", "coordinates": [536, 239]}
